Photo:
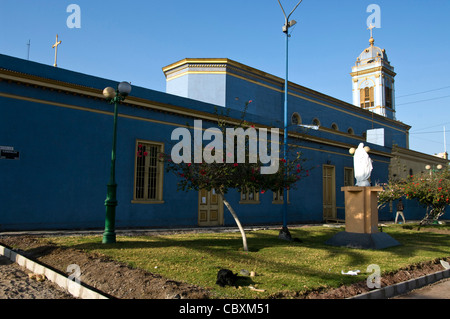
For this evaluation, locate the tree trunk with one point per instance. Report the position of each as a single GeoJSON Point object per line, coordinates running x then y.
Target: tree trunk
{"type": "Point", "coordinates": [433, 213]}
{"type": "Point", "coordinates": [425, 219]}
{"type": "Point", "coordinates": [231, 210]}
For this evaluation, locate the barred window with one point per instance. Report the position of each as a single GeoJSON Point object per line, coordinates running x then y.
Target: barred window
{"type": "Point", "coordinates": [249, 196]}
{"type": "Point", "coordinates": [278, 197]}
{"type": "Point", "coordinates": [148, 180]}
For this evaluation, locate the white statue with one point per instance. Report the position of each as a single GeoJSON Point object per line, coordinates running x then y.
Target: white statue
{"type": "Point", "coordinates": [362, 164]}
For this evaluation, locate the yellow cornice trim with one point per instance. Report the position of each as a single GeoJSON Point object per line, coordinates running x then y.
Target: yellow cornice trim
{"type": "Point", "coordinates": [170, 78]}
{"type": "Point", "coordinates": [48, 83]}
{"type": "Point", "coordinates": [189, 60]}
{"type": "Point", "coordinates": [373, 70]}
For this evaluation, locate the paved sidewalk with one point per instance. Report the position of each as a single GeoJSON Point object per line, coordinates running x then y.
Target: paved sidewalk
{"type": "Point", "coordinates": [438, 290]}
{"type": "Point", "coordinates": [16, 284]}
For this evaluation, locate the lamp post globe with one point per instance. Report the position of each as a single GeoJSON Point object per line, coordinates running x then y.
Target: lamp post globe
{"type": "Point", "coordinates": [109, 93]}
{"type": "Point", "coordinates": [124, 88]}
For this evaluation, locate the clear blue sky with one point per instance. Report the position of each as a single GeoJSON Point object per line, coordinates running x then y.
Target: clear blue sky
{"type": "Point", "coordinates": [132, 40]}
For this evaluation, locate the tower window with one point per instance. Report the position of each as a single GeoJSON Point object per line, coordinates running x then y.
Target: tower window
{"type": "Point", "coordinates": [388, 96]}
{"type": "Point", "coordinates": [367, 97]}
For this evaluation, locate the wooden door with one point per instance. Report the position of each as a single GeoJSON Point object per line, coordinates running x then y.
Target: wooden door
{"type": "Point", "coordinates": [210, 208]}
{"type": "Point", "coordinates": [329, 192]}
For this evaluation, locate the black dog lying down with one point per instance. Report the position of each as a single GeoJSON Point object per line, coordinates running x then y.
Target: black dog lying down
{"type": "Point", "coordinates": [226, 277]}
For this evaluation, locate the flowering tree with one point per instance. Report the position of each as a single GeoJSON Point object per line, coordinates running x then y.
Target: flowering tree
{"type": "Point", "coordinates": [429, 189]}
{"type": "Point", "coordinates": [226, 175]}
{"type": "Point", "coordinates": [391, 191]}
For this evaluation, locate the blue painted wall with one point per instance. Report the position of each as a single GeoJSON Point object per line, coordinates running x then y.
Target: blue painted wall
{"type": "Point", "coordinates": [65, 148]}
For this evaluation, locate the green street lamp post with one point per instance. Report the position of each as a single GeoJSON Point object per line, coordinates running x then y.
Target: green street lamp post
{"type": "Point", "coordinates": [114, 97]}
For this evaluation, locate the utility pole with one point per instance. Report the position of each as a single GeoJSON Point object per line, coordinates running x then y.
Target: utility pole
{"type": "Point", "coordinates": [284, 232]}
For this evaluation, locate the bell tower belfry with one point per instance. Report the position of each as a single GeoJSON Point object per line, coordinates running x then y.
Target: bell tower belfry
{"type": "Point", "coordinates": [373, 81]}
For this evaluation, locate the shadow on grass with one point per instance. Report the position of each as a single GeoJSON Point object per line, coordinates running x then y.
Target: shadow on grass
{"type": "Point", "coordinates": [244, 281]}
{"type": "Point", "coordinates": [289, 259]}
{"type": "Point", "coordinates": [257, 240]}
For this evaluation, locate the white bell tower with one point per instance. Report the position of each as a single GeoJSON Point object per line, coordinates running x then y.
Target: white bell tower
{"type": "Point", "coordinates": [373, 81]}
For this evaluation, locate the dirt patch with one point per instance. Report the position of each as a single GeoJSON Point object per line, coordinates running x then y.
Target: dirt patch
{"type": "Point", "coordinates": [121, 281]}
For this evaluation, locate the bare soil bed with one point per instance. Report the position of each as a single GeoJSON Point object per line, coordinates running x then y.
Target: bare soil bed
{"type": "Point", "coordinates": [121, 281]}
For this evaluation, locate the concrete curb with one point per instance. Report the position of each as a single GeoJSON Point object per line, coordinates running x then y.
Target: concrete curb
{"type": "Point", "coordinates": [404, 287]}
{"type": "Point", "coordinates": [74, 288]}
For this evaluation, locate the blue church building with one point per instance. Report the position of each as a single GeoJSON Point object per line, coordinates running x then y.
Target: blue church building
{"type": "Point", "coordinates": [56, 131]}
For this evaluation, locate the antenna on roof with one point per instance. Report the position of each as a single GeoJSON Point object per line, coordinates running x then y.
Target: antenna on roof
{"type": "Point", "coordinates": [29, 45]}
{"type": "Point", "coordinates": [445, 142]}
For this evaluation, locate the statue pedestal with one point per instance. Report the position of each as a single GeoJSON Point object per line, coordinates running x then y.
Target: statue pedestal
{"type": "Point", "coordinates": [361, 212]}
{"type": "Point", "coordinates": [361, 221]}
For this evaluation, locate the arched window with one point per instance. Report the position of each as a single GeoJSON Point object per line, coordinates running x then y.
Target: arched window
{"type": "Point", "coordinates": [367, 97]}
{"type": "Point", "coordinates": [335, 127]}
{"type": "Point", "coordinates": [316, 122]}
{"type": "Point", "coordinates": [350, 131]}
{"type": "Point", "coordinates": [296, 119]}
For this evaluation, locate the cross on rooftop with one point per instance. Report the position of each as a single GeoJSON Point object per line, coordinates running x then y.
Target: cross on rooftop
{"type": "Point", "coordinates": [371, 27]}
{"type": "Point", "coordinates": [55, 46]}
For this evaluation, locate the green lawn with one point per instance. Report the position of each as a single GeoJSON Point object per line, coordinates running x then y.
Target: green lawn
{"type": "Point", "coordinates": [279, 265]}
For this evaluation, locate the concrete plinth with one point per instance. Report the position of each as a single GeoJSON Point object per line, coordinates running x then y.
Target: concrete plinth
{"type": "Point", "coordinates": [361, 221]}
{"type": "Point", "coordinates": [361, 212]}
{"type": "Point", "coordinates": [362, 241]}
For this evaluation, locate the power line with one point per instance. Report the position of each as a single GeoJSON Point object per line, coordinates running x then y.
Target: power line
{"type": "Point", "coordinates": [436, 125]}
{"type": "Point", "coordinates": [428, 140]}
{"type": "Point", "coordinates": [436, 98]}
{"type": "Point", "coordinates": [427, 132]}
{"type": "Point", "coordinates": [445, 87]}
